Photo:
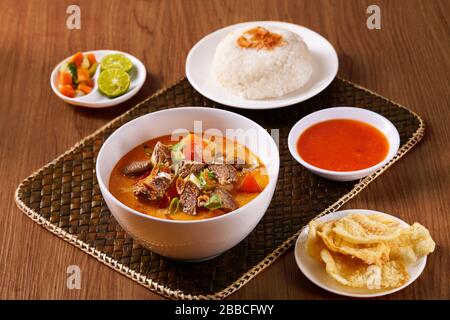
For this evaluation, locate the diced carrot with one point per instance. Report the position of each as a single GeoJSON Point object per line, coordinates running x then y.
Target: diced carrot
{"type": "Point", "coordinates": [91, 58]}
{"type": "Point", "coordinates": [249, 184]}
{"type": "Point", "coordinates": [82, 75]}
{"type": "Point", "coordinates": [77, 59]}
{"type": "Point", "coordinates": [67, 90]}
{"type": "Point", "coordinates": [84, 87]}
{"type": "Point", "coordinates": [64, 78]}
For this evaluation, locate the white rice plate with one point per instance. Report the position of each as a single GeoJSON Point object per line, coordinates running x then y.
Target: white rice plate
{"type": "Point", "coordinates": [262, 74]}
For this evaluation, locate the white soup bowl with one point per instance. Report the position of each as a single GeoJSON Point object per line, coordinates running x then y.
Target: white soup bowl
{"type": "Point", "coordinates": [188, 240]}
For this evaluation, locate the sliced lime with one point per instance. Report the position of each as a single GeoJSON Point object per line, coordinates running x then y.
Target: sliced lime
{"type": "Point", "coordinates": [116, 61]}
{"type": "Point", "coordinates": [113, 82]}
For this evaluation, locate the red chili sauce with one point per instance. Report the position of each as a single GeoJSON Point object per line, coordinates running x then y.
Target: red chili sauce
{"type": "Point", "coordinates": [342, 145]}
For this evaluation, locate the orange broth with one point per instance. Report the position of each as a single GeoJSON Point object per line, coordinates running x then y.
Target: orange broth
{"type": "Point", "coordinates": [342, 145]}
{"type": "Point", "coordinates": [121, 186]}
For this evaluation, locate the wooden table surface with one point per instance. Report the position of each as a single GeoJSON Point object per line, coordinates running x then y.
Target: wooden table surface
{"type": "Point", "coordinates": [406, 61]}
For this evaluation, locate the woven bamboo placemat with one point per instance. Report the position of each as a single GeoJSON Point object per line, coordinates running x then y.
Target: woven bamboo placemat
{"type": "Point", "coordinates": [64, 197]}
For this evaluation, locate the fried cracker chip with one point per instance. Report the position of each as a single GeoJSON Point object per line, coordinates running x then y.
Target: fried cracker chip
{"type": "Point", "coordinates": [314, 244]}
{"type": "Point", "coordinates": [412, 243]}
{"type": "Point", "coordinates": [368, 251]}
{"type": "Point", "coordinates": [366, 229]}
{"type": "Point", "coordinates": [357, 274]}
{"type": "Point", "coordinates": [372, 253]}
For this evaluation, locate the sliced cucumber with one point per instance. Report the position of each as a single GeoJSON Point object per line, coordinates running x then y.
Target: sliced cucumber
{"type": "Point", "coordinates": [85, 64]}
{"type": "Point", "coordinates": [73, 71]}
{"type": "Point", "coordinates": [64, 67]}
{"type": "Point", "coordinates": [92, 69]}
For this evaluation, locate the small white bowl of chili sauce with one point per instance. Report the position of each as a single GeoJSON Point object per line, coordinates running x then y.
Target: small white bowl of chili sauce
{"type": "Point", "coordinates": [343, 143]}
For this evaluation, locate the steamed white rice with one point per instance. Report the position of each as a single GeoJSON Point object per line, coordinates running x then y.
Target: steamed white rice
{"type": "Point", "coordinates": [261, 73]}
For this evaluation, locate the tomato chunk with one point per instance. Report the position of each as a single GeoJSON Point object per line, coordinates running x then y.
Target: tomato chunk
{"type": "Point", "coordinates": [249, 184]}
{"type": "Point", "coordinates": [192, 148]}
{"type": "Point", "coordinates": [172, 191]}
{"type": "Point", "coordinates": [67, 90]}
{"type": "Point", "coordinates": [64, 78]}
{"type": "Point", "coordinates": [77, 59]}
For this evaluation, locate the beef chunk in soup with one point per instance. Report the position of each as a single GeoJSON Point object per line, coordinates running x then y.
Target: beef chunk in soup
{"type": "Point", "coordinates": [225, 173]}
{"type": "Point", "coordinates": [136, 167]}
{"type": "Point", "coordinates": [161, 154]}
{"type": "Point", "coordinates": [155, 185]}
{"type": "Point", "coordinates": [188, 167]}
{"type": "Point", "coordinates": [227, 200]}
{"type": "Point", "coordinates": [140, 191]}
{"type": "Point", "coordinates": [188, 199]}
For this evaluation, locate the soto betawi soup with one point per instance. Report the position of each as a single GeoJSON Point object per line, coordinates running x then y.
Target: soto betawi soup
{"type": "Point", "coordinates": [191, 179]}
{"type": "Point", "coordinates": [342, 145]}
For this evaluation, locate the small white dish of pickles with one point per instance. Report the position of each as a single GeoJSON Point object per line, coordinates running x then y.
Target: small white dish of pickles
{"type": "Point", "coordinates": [98, 79]}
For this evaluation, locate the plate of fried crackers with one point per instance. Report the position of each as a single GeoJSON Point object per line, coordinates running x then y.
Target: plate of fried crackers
{"type": "Point", "coordinates": [362, 253]}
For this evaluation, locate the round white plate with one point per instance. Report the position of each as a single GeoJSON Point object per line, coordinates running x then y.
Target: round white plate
{"type": "Point", "coordinates": [95, 99]}
{"type": "Point", "coordinates": [315, 271]}
{"type": "Point", "coordinates": [199, 73]}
